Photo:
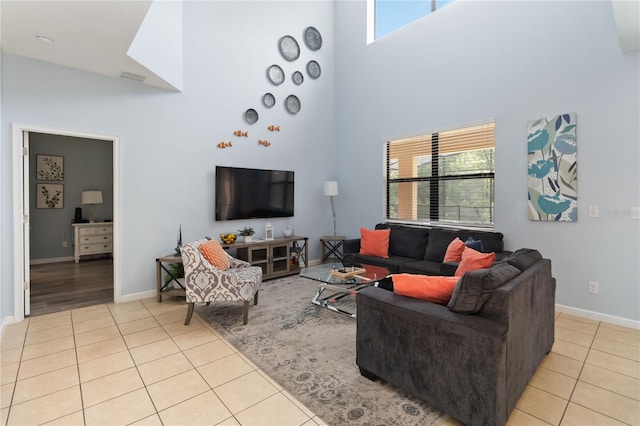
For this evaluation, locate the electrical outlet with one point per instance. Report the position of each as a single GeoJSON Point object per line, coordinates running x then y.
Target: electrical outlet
{"type": "Point", "coordinates": [593, 287]}
{"type": "Point", "coordinates": [593, 211]}
{"type": "Point", "coordinates": [65, 244]}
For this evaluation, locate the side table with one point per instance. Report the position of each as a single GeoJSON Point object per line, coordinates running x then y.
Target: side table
{"type": "Point", "coordinates": [332, 248]}
{"type": "Point", "coordinates": [167, 289]}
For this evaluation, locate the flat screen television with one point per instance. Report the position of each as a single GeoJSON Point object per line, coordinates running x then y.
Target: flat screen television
{"type": "Point", "coordinates": [253, 193]}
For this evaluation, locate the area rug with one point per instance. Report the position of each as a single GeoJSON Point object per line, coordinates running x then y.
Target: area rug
{"type": "Point", "coordinates": [310, 351]}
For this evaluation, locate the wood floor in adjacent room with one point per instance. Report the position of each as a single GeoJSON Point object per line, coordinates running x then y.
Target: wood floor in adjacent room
{"type": "Point", "coordinates": [64, 286]}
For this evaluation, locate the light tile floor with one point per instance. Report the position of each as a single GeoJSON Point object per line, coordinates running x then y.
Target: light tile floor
{"type": "Point", "coordinates": [136, 363]}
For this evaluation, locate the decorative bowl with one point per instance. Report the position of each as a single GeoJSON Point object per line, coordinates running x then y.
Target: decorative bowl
{"type": "Point", "coordinates": [228, 238]}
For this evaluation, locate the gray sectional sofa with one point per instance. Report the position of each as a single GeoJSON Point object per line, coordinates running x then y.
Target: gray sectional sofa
{"type": "Point", "coordinates": [421, 250]}
{"type": "Point", "coordinates": [473, 358]}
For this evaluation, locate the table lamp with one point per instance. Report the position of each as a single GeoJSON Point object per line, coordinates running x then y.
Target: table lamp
{"type": "Point", "coordinates": [92, 198]}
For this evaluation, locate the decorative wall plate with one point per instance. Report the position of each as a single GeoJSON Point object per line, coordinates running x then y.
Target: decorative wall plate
{"type": "Point", "coordinates": [297, 78]}
{"type": "Point", "coordinates": [251, 116]}
{"type": "Point", "coordinates": [313, 69]}
{"type": "Point", "coordinates": [312, 38]}
{"type": "Point", "coordinates": [275, 74]}
{"type": "Point", "coordinates": [289, 48]}
{"type": "Point", "coordinates": [292, 103]}
{"type": "Point", "coordinates": [268, 100]}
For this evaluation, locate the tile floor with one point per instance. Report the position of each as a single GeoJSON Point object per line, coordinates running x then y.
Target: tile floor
{"type": "Point", "coordinates": [136, 363]}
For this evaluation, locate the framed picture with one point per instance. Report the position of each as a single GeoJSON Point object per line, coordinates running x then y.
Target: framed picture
{"type": "Point", "coordinates": [49, 167]}
{"type": "Point", "coordinates": [49, 196]}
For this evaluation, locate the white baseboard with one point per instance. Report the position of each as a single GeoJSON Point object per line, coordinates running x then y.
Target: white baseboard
{"type": "Point", "coordinates": [50, 260]}
{"type": "Point", "coordinates": [136, 296]}
{"type": "Point", "coordinates": [612, 319]}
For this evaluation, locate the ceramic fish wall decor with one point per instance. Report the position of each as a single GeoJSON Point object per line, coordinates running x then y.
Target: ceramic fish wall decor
{"type": "Point", "coordinates": [241, 133]}
{"type": "Point", "coordinates": [264, 143]}
{"type": "Point", "coordinates": [274, 128]}
{"type": "Point", "coordinates": [224, 144]}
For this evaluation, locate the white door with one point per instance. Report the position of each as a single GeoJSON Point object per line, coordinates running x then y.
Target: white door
{"type": "Point", "coordinates": [25, 223]}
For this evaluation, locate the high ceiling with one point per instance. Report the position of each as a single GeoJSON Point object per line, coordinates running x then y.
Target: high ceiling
{"type": "Point", "coordinates": [91, 35]}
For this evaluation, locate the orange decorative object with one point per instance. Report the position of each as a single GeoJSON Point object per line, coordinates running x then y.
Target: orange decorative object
{"type": "Point", "coordinates": [274, 128]}
{"type": "Point", "coordinates": [224, 144]}
{"type": "Point", "coordinates": [241, 133]}
{"type": "Point", "coordinates": [264, 143]}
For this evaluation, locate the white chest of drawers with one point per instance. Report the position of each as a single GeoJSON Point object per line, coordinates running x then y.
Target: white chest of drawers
{"type": "Point", "coordinates": [92, 238]}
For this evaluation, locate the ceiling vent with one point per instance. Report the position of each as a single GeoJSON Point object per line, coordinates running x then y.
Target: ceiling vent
{"type": "Point", "coordinates": [132, 76]}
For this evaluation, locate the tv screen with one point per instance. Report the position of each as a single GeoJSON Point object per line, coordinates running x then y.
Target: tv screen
{"type": "Point", "coordinates": [253, 193]}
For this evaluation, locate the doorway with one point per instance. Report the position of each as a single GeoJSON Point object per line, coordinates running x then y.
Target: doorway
{"type": "Point", "coordinates": [25, 193]}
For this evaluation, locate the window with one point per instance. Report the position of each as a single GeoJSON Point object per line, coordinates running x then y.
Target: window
{"type": "Point", "coordinates": [390, 15]}
{"type": "Point", "coordinates": [442, 177]}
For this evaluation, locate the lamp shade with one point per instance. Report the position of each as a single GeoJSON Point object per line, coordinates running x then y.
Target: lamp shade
{"type": "Point", "coordinates": [330, 188]}
{"type": "Point", "coordinates": [91, 197]}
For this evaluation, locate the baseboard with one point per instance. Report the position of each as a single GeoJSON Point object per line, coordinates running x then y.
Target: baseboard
{"type": "Point", "coordinates": [136, 296]}
{"type": "Point", "coordinates": [612, 319]}
{"type": "Point", "coordinates": [50, 260]}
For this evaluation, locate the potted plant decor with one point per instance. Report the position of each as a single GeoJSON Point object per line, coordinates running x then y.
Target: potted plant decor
{"type": "Point", "coordinates": [247, 233]}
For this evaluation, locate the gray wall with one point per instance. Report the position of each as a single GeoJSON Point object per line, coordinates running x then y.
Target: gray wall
{"type": "Point", "coordinates": [514, 61]}
{"type": "Point", "coordinates": [168, 140]}
{"type": "Point", "coordinates": [88, 165]}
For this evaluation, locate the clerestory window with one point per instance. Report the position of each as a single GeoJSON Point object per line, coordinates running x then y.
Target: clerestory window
{"type": "Point", "coordinates": [442, 177]}
{"type": "Point", "coordinates": [391, 15]}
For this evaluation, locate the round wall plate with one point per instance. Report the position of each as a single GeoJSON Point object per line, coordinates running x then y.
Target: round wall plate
{"type": "Point", "coordinates": [289, 48]}
{"type": "Point", "coordinates": [275, 74]}
{"type": "Point", "coordinates": [292, 104]}
{"type": "Point", "coordinates": [268, 100]}
{"type": "Point", "coordinates": [313, 69]}
{"type": "Point", "coordinates": [312, 38]}
{"type": "Point", "coordinates": [251, 116]}
{"type": "Point", "coordinates": [297, 78]}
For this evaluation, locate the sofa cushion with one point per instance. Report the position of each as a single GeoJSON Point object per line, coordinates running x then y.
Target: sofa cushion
{"type": "Point", "coordinates": [392, 263]}
{"type": "Point", "coordinates": [374, 243]}
{"type": "Point", "coordinates": [408, 241]}
{"type": "Point", "coordinates": [472, 260]}
{"type": "Point", "coordinates": [523, 258]}
{"type": "Point", "coordinates": [215, 254]}
{"type": "Point", "coordinates": [475, 287]}
{"type": "Point", "coordinates": [454, 251]}
{"type": "Point", "coordinates": [434, 289]}
{"type": "Point", "coordinates": [491, 241]}
{"type": "Point", "coordinates": [425, 267]}
{"type": "Point", "coordinates": [439, 240]}
{"type": "Point", "coordinates": [474, 244]}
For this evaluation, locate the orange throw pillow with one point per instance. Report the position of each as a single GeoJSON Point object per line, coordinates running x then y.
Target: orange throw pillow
{"type": "Point", "coordinates": [375, 243]}
{"type": "Point", "coordinates": [425, 287]}
{"type": "Point", "coordinates": [454, 251]}
{"type": "Point", "coordinates": [215, 254]}
{"type": "Point", "coordinates": [473, 260]}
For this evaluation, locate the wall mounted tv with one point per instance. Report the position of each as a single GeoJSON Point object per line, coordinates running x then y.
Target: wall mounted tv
{"type": "Point", "coordinates": [253, 193]}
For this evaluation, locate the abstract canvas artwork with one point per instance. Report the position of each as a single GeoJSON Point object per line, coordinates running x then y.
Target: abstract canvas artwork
{"type": "Point", "coordinates": [553, 169]}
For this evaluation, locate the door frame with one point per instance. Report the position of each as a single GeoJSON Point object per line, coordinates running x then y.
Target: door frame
{"type": "Point", "coordinates": [20, 190]}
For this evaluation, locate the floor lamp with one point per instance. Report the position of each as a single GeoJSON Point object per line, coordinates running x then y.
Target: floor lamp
{"type": "Point", "coordinates": [330, 190]}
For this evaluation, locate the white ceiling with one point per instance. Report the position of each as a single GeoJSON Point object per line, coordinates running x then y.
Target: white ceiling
{"type": "Point", "coordinates": [91, 35]}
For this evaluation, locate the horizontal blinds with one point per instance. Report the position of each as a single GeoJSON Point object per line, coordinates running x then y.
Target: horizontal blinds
{"type": "Point", "coordinates": [416, 150]}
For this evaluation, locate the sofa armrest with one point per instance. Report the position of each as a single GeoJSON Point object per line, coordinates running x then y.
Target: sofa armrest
{"type": "Point", "coordinates": [351, 246]}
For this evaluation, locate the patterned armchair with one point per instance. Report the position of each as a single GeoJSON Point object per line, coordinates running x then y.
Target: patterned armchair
{"type": "Point", "coordinates": [204, 283]}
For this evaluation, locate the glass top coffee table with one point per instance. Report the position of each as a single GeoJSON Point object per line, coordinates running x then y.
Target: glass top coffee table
{"type": "Point", "coordinates": [341, 291]}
